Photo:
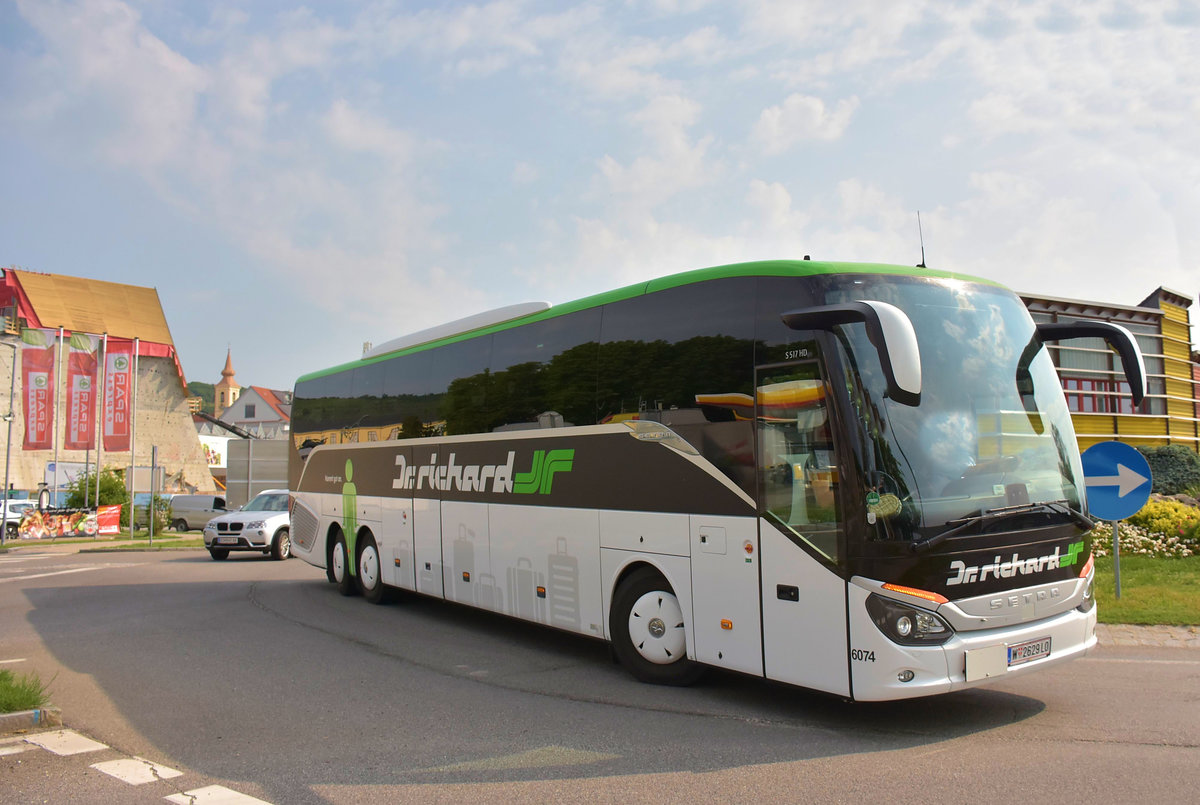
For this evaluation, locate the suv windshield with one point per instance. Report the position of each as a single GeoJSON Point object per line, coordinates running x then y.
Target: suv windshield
{"type": "Point", "coordinates": [267, 502]}
{"type": "Point", "coordinates": [992, 431]}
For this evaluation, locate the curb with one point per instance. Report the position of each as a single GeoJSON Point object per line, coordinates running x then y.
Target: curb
{"type": "Point", "coordinates": [25, 720]}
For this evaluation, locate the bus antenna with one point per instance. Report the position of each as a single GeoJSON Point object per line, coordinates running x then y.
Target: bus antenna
{"type": "Point", "coordinates": [921, 235]}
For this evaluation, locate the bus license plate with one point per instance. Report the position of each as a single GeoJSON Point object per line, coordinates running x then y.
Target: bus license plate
{"type": "Point", "coordinates": [1028, 651]}
{"type": "Point", "coordinates": [233, 541]}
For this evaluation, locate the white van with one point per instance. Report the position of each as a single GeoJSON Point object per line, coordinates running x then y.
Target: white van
{"type": "Point", "coordinates": [192, 512]}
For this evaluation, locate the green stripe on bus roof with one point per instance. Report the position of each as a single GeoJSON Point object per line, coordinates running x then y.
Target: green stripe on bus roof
{"type": "Point", "coordinates": [764, 268]}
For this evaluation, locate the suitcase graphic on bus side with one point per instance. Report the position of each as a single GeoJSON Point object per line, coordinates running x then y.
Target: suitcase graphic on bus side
{"type": "Point", "coordinates": [523, 585]}
{"type": "Point", "coordinates": [464, 565]}
{"type": "Point", "coordinates": [487, 594]}
{"type": "Point", "coordinates": [564, 588]}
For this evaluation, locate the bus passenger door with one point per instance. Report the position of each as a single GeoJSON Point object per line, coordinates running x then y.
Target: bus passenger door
{"type": "Point", "coordinates": [800, 533]}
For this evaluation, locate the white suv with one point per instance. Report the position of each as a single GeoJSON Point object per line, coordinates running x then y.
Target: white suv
{"type": "Point", "coordinates": [261, 525]}
{"type": "Point", "coordinates": [16, 509]}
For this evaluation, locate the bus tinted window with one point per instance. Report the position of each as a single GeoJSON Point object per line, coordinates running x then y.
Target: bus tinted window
{"type": "Point", "coordinates": [458, 384]}
{"type": "Point", "coordinates": [776, 296]}
{"type": "Point", "coordinates": [658, 352]}
{"type": "Point", "coordinates": [546, 368]}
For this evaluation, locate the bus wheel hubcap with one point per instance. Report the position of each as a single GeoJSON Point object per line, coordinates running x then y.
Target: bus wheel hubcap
{"type": "Point", "coordinates": [339, 562]}
{"type": "Point", "coordinates": [656, 628]}
{"type": "Point", "coordinates": [369, 567]}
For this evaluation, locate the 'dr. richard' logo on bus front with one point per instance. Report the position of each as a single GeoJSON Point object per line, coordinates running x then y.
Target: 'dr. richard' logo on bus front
{"type": "Point", "coordinates": [450, 476]}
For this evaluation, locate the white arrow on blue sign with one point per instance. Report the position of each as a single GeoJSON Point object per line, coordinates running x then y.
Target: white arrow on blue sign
{"type": "Point", "coordinates": [1117, 479]}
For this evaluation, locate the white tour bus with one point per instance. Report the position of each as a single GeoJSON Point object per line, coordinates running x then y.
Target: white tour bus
{"type": "Point", "coordinates": [861, 479]}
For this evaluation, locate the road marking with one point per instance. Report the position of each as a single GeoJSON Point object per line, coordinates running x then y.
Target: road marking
{"type": "Point", "coordinates": [10, 662]}
{"type": "Point", "coordinates": [14, 749]}
{"type": "Point", "coordinates": [66, 742]}
{"type": "Point", "coordinates": [136, 770]}
{"type": "Point", "coordinates": [215, 794]}
{"type": "Point", "coordinates": [47, 575]}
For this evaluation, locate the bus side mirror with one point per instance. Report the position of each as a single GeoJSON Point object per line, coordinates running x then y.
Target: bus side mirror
{"type": "Point", "coordinates": [890, 331]}
{"type": "Point", "coordinates": [1115, 336]}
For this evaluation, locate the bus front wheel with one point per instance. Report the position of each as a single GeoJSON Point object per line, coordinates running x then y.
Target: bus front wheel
{"type": "Point", "coordinates": [339, 564]}
{"type": "Point", "coordinates": [648, 634]}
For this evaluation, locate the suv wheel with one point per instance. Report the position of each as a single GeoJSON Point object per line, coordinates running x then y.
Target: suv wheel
{"type": "Point", "coordinates": [281, 546]}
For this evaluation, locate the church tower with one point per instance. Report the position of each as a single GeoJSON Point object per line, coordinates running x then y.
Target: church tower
{"type": "Point", "coordinates": [226, 392]}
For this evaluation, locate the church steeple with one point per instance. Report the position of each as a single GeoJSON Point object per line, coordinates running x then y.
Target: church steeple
{"type": "Point", "coordinates": [226, 392]}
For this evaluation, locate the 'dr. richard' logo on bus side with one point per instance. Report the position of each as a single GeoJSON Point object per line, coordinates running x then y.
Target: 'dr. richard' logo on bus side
{"type": "Point", "coordinates": [450, 476]}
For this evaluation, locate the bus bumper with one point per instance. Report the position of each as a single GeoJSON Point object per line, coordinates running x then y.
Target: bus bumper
{"type": "Point", "coordinates": [942, 669]}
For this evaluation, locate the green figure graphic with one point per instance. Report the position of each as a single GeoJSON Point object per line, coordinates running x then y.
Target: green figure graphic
{"type": "Point", "coordinates": [350, 516]}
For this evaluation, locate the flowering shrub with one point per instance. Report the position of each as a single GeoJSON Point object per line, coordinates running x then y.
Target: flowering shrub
{"type": "Point", "coordinates": [1138, 541]}
{"type": "Point", "coordinates": [1167, 516]}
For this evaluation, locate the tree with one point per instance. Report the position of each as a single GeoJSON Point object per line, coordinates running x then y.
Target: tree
{"type": "Point", "coordinates": [112, 490]}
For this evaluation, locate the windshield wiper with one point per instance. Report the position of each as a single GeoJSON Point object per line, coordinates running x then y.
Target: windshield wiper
{"type": "Point", "coordinates": [1003, 513]}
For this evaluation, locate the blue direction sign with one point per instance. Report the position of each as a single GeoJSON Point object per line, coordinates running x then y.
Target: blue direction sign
{"type": "Point", "coordinates": [1117, 478]}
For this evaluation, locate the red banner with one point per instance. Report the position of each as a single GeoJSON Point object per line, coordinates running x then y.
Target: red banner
{"type": "Point", "coordinates": [118, 403]}
{"type": "Point", "coordinates": [37, 383]}
{"type": "Point", "coordinates": [81, 394]}
{"type": "Point", "coordinates": [108, 519]}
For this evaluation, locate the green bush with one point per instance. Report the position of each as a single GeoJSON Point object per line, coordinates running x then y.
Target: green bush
{"type": "Point", "coordinates": [1175, 468]}
{"type": "Point", "coordinates": [112, 490]}
{"type": "Point", "coordinates": [24, 692]}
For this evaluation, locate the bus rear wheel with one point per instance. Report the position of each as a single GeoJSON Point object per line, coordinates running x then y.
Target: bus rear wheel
{"type": "Point", "coordinates": [648, 633]}
{"type": "Point", "coordinates": [370, 571]}
{"type": "Point", "coordinates": [339, 566]}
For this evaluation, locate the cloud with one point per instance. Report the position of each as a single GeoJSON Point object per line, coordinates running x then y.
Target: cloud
{"type": "Point", "coordinates": [677, 161]}
{"type": "Point", "coordinates": [525, 173]}
{"type": "Point", "coordinates": [358, 131]}
{"type": "Point", "coordinates": [101, 64]}
{"type": "Point", "coordinates": [798, 119]}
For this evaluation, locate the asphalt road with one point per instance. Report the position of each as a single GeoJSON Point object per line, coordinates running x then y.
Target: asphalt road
{"type": "Point", "coordinates": [257, 676]}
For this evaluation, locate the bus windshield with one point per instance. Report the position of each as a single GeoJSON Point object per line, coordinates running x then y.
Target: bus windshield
{"type": "Point", "coordinates": [992, 433]}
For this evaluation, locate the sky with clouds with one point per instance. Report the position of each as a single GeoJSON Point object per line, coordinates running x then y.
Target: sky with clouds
{"type": "Point", "coordinates": [298, 179]}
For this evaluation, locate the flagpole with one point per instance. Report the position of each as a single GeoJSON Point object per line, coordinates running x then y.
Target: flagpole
{"type": "Point", "coordinates": [58, 391]}
{"type": "Point", "coordinates": [133, 442]}
{"type": "Point", "coordinates": [102, 364]}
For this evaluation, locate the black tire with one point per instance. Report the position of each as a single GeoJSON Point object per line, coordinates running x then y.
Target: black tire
{"type": "Point", "coordinates": [370, 571]}
{"type": "Point", "coordinates": [657, 650]}
{"type": "Point", "coordinates": [179, 525]}
{"type": "Point", "coordinates": [339, 567]}
{"type": "Point", "coordinates": [219, 554]}
{"type": "Point", "coordinates": [281, 546]}
{"type": "Point", "coordinates": [13, 530]}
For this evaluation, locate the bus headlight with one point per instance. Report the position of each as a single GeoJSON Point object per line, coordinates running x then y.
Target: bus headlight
{"type": "Point", "coordinates": [907, 625]}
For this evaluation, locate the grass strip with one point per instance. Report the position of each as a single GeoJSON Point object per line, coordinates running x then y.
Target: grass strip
{"type": "Point", "coordinates": [1153, 591]}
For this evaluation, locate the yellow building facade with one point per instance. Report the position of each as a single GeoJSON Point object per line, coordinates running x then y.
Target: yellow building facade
{"type": "Point", "coordinates": [1094, 381]}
